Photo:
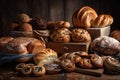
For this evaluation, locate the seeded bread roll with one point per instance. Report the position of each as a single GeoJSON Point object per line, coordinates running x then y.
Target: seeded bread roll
{"type": "Point", "coordinates": [61, 35]}
{"type": "Point", "coordinates": [80, 35]}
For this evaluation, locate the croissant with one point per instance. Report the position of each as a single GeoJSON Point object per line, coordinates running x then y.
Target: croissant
{"type": "Point", "coordinates": [102, 20]}
{"type": "Point", "coordinates": [84, 17]}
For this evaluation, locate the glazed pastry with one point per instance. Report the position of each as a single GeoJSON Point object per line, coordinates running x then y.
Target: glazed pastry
{"type": "Point", "coordinates": [20, 66]}
{"type": "Point", "coordinates": [68, 65]}
{"type": "Point", "coordinates": [112, 66]}
{"type": "Point", "coordinates": [24, 18]}
{"type": "Point", "coordinates": [61, 35]}
{"type": "Point", "coordinates": [52, 68]}
{"type": "Point", "coordinates": [45, 56]}
{"type": "Point", "coordinates": [97, 61]}
{"type": "Point", "coordinates": [102, 20]}
{"type": "Point", "coordinates": [26, 70]}
{"type": "Point", "coordinates": [84, 17]}
{"type": "Point", "coordinates": [85, 63]}
{"type": "Point", "coordinates": [115, 34]}
{"type": "Point", "coordinates": [38, 70]}
{"type": "Point", "coordinates": [106, 45]}
{"type": "Point", "coordinates": [25, 27]}
{"type": "Point", "coordinates": [80, 35]}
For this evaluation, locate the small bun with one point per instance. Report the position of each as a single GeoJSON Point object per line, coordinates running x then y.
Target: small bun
{"type": "Point", "coordinates": [80, 35]}
{"type": "Point", "coordinates": [25, 27]}
{"type": "Point", "coordinates": [24, 18]}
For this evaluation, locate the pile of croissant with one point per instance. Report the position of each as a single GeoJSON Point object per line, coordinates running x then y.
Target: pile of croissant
{"type": "Point", "coordinates": [87, 17]}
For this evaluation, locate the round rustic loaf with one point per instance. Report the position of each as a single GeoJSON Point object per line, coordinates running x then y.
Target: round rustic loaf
{"type": "Point", "coordinates": [106, 45]}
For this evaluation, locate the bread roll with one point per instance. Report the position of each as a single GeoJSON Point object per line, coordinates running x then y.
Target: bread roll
{"type": "Point", "coordinates": [80, 35]}
{"type": "Point", "coordinates": [24, 18]}
{"type": "Point", "coordinates": [25, 27]}
{"type": "Point", "coordinates": [61, 35]}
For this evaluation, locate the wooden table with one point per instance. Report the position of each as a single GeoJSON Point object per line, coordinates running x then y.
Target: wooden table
{"type": "Point", "coordinates": [7, 72]}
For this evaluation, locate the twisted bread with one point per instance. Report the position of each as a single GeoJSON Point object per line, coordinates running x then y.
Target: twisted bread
{"type": "Point", "coordinates": [115, 34]}
{"type": "Point", "coordinates": [84, 17]}
{"type": "Point", "coordinates": [102, 20]}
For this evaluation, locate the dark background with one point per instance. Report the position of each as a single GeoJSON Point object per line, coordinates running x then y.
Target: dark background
{"type": "Point", "coordinates": [54, 10]}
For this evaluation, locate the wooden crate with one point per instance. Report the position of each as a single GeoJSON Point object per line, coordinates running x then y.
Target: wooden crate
{"type": "Point", "coordinates": [97, 32]}
{"type": "Point", "coordinates": [68, 47]}
{"type": "Point", "coordinates": [21, 34]}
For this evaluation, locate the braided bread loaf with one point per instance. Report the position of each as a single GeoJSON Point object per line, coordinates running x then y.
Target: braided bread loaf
{"type": "Point", "coordinates": [84, 17]}
{"type": "Point", "coordinates": [102, 20]}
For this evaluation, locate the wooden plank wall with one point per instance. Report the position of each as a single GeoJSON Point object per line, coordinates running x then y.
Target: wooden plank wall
{"type": "Point", "coordinates": [49, 10]}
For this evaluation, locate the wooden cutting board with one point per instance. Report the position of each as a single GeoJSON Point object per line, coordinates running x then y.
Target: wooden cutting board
{"type": "Point", "coordinates": [93, 72]}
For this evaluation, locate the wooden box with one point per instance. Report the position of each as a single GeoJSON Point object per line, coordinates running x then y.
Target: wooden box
{"type": "Point", "coordinates": [68, 47]}
{"type": "Point", "coordinates": [97, 32]}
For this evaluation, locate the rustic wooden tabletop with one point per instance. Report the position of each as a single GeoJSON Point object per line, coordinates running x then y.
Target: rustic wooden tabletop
{"type": "Point", "coordinates": [7, 72]}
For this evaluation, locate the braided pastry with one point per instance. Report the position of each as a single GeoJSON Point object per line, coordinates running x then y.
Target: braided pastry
{"type": "Point", "coordinates": [84, 17]}
{"type": "Point", "coordinates": [102, 20]}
